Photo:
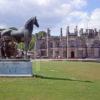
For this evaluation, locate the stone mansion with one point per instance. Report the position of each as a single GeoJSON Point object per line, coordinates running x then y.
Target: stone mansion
{"type": "Point", "coordinates": [83, 43]}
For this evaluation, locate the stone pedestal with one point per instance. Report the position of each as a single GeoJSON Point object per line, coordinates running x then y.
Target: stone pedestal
{"type": "Point", "coordinates": [15, 67]}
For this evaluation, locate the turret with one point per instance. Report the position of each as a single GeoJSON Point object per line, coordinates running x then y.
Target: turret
{"type": "Point", "coordinates": [61, 34]}
{"type": "Point", "coordinates": [67, 31]}
{"type": "Point", "coordinates": [95, 32]}
{"type": "Point", "coordinates": [81, 31]}
{"type": "Point", "coordinates": [76, 30]}
{"type": "Point", "coordinates": [99, 34]}
{"type": "Point", "coordinates": [48, 32]}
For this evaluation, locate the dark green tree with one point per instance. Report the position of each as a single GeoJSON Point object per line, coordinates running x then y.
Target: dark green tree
{"type": "Point", "coordinates": [41, 34]}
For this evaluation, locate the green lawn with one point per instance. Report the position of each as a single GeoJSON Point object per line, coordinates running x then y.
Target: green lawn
{"type": "Point", "coordinates": [55, 80]}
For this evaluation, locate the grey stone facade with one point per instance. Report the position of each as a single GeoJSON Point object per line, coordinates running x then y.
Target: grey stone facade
{"type": "Point", "coordinates": [85, 45]}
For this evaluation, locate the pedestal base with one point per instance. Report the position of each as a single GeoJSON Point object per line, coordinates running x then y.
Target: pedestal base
{"type": "Point", "coordinates": [15, 67]}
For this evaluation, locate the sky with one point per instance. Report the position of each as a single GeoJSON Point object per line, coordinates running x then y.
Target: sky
{"type": "Point", "coordinates": [52, 14]}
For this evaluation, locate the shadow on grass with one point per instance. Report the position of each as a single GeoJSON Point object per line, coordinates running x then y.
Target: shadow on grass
{"type": "Point", "coordinates": [64, 79]}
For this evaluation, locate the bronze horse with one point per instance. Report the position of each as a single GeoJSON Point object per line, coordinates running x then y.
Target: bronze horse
{"type": "Point", "coordinates": [20, 35]}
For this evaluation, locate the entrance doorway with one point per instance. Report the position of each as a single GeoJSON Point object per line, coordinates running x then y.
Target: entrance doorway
{"type": "Point", "coordinates": [72, 54]}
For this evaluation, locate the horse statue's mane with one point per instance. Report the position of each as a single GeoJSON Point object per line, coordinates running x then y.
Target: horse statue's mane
{"type": "Point", "coordinates": [29, 24]}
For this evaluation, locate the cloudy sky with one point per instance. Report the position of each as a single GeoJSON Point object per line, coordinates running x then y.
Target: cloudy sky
{"type": "Point", "coordinates": [51, 13]}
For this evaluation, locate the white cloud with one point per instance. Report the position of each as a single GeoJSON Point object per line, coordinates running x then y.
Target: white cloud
{"type": "Point", "coordinates": [25, 6]}
{"type": "Point", "coordinates": [42, 2]}
{"type": "Point", "coordinates": [63, 9]}
{"type": "Point", "coordinates": [51, 13]}
{"type": "Point", "coordinates": [94, 20]}
{"type": "Point", "coordinates": [3, 26]}
{"type": "Point", "coordinates": [91, 20]}
{"type": "Point", "coordinates": [78, 3]}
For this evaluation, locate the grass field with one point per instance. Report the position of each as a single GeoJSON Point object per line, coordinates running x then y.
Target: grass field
{"type": "Point", "coordinates": [55, 80]}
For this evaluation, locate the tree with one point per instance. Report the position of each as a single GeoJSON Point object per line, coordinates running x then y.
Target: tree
{"type": "Point", "coordinates": [32, 43]}
{"type": "Point", "coordinates": [21, 46]}
{"type": "Point", "coordinates": [41, 34]}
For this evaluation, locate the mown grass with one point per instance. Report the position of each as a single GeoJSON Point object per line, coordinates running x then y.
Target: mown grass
{"type": "Point", "coordinates": [55, 80]}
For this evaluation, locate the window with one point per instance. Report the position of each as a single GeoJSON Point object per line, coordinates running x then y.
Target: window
{"type": "Point", "coordinates": [43, 53]}
{"type": "Point", "coordinates": [72, 43]}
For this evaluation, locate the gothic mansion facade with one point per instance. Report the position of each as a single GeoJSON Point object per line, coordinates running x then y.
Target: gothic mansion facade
{"type": "Point", "coordinates": [85, 45]}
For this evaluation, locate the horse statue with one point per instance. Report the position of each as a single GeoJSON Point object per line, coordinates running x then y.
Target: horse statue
{"type": "Point", "coordinates": [23, 34]}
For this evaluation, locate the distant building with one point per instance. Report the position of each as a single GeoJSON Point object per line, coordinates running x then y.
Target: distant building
{"type": "Point", "coordinates": [85, 45]}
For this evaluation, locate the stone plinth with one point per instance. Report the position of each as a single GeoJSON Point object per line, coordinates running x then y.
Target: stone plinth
{"type": "Point", "coordinates": [15, 67]}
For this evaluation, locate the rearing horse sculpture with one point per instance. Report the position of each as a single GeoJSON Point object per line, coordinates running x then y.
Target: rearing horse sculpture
{"type": "Point", "coordinates": [22, 35]}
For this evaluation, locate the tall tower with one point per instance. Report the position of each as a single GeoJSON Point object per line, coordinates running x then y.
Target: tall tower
{"type": "Point", "coordinates": [61, 34]}
{"type": "Point", "coordinates": [61, 43]}
{"type": "Point", "coordinates": [67, 31]}
{"type": "Point", "coordinates": [76, 30]}
{"type": "Point", "coordinates": [47, 41]}
{"type": "Point", "coordinates": [99, 34]}
{"type": "Point", "coordinates": [67, 39]}
{"type": "Point", "coordinates": [81, 31]}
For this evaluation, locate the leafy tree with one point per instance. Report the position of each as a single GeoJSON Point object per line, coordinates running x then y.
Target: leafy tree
{"type": "Point", "coordinates": [41, 34]}
{"type": "Point", "coordinates": [21, 46]}
{"type": "Point", "coordinates": [32, 43]}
